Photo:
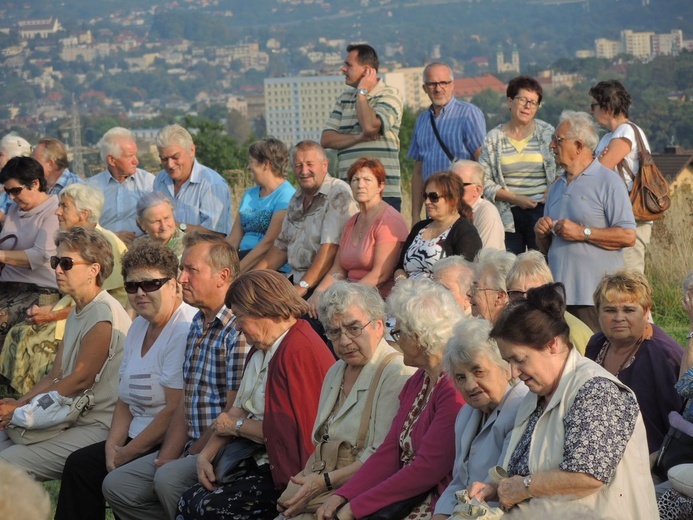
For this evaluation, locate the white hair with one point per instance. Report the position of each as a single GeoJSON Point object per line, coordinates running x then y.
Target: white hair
{"type": "Point", "coordinates": [530, 264]}
{"type": "Point", "coordinates": [111, 142]}
{"type": "Point", "coordinates": [342, 295]}
{"type": "Point", "coordinates": [495, 264]}
{"type": "Point", "coordinates": [469, 342]}
{"type": "Point", "coordinates": [14, 146]}
{"type": "Point", "coordinates": [151, 199]}
{"type": "Point", "coordinates": [86, 198]}
{"type": "Point", "coordinates": [174, 135]}
{"type": "Point", "coordinates": [582, 128]}
{"type": "Point", "coordinates": [476, 170]}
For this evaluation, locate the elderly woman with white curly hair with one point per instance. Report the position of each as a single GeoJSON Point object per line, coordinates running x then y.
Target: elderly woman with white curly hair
{"type": "Point", "coordinates": [484, 425]}
{"type": "Point", "coordinates": [413, 465]}
{"type": "Point", "coordinates": [362, 386]}
{"type": "Point", "coordinates": [588, 217]}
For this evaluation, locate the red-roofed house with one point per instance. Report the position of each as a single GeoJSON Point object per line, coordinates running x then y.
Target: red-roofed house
{"type": "Point", "coordinates": [467, 88]}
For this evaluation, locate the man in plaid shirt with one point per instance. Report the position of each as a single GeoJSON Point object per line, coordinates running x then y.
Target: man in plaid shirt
{"type": "Point", "coordinates": [150, 487]}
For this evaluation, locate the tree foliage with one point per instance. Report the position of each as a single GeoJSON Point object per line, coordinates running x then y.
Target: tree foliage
{"type": "Point", "coordinates": [214, 147]}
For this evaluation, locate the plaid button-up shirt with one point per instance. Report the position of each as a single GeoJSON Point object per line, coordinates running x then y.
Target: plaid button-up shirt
{"type": "Point", "coordinates": [214, 362]}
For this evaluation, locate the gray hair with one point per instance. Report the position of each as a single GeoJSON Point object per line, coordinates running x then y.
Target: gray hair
{"type": "Point", "coordinates": [424, 308]}
{"type": "Point", "coordinates": [476, 170]}
{"type": "Point", "coordinates": [174, 135]}
{"type": "Point", "coordinates": [530, 264]}
{"type": "Point", "coordinates": [151, 199]}
{"type": "Point", "coordinates": [14, 146]}
{"type": "Point", "coordinates": [687, 284]}
{"type": "Point", "coordinates": [111, 142]}
{"type": "Point", "coordinates": [469, 342]}
{"type": "Point", "coordinates": [86, 198]}
{"type": "Point", "coordinates": [496, 264]}
{"type": "Point", "coordinates": [582, 128]}
{"type": "Point", "coordinates": [463, 269]}
{"type": "Point", "coordinates": [342, 295]}
{"type": "Point", "coordinates": [436, 64]}
{"type": "Point", "coordinates": [303, 146]}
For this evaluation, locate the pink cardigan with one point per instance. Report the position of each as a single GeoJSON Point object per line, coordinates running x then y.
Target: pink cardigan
{"type": "Point", "coordinates": [382, 480]}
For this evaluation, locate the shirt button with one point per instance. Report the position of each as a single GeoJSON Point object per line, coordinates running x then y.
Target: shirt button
{"type": "Point", "coordinates": [265, 440]}
{"type": "Point", "coordinates": [271, 467]}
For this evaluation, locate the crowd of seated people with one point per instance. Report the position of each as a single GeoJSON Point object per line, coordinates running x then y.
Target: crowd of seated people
{"type": "Point", "coordinates": [204, 340]}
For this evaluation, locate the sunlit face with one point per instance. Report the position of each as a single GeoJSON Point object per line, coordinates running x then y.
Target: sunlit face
{"type": "Point", "coordinates": [441, 209]}
{"type": "Point", "coordinates": [125, 165]}
{"type": "Point", "coordinates": [199, 282]}
{"type": "Point", "coordinates": [28, 197]}
{"type": "Point", "coordinates": [310, 168]}
{"type": "Point", "coordinates": [564, 149]}
{"type": "Point", "coordinates": [482, 384]}
{"type": "Point", "coordinates": [73, 279]}
{"type": "Point", "coordinates": [177, 161]}
{"type": "Point", "coordinates": [600, 115]}
{"type": "Point", "coordinates": [365, 186]}
{"type": "Point", "coordinates": [158, 222]}
{"type": "Point", "coordinates": [521, 112]}
{"type": "Point", "coordinates": [258, 169]}
{"type": "Point", "coordinates": [487, 301]}
{"type": "Point", "coordinates": [67, 213]}
{"type": "Point", "coordinates": [623, 321]}
{"type": "Point", "coordinates": [413, 355]}
{"type": "Point", "coordinates": [353, 71]}
{"type": "Point", "coordinates": [472, 191]}
{"type": "Point", "coordinates": [439, 94]}
{"type": "Point", "coordinates": [39, 154]}
{"type": "Point", "coordinates": [536, 368]}
{"type": "Point", "coordinates": [450, 279]}
{"type": "Point", "coordinates": [149, 305]}
{"type": "Point", "coordinates": [258, 331]}
{"type": "Point", "coordinates": [356, 351]}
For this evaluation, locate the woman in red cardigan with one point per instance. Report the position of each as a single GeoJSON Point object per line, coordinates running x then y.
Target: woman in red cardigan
{"type": "Point", "coordinates": [275, 405]}
{"type": "Point", "coordinates": [414, 463]}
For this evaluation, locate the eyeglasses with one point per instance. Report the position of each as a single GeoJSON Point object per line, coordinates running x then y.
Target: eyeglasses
{"type": "Point", "coordinates": [13, 192]}
{"type": "Point", "coordinates": [433, 196]}
{"type": "Point", "coordinates": [593, 106]}
{"type": "Point", "coordinates": [66, 263]}
{"type": "Point", "coordinates": [516, 295]}
{"type": "Point", "coordinates": [146, 285]}
{"type": "Point", "coordinates": [527, 102]}
{"type": "Point", "coordinates": [350, 331]}
{"type": "Point", "coordinates": [465, 184]}
{"type": "Point", "coordinates": [396, 334]}
{"type": "Point", "coordinates": [433, 84]}
{"type": "Point", "coordinates": [558, 139]}
{"type": "Point", "coordinates": [475, 288]}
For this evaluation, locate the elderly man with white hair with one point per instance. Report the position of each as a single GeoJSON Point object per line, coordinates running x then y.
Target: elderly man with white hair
{"type": "Point", "coordinates": [588, 217]}
{"type": "Point", "coordinates": [122, 182]}
{"type": "Point", "coordinates": [487, 220]}
{"type": "Point", "coordinates": [11, 145]}
{"type": "Point", "coordinates": [489, 294]}
{"type": "Point", "coordinates": [457, 275]}
{"type": "Point", "coordinates": [202, 196]}
{"type": "Point", "coordinates": [21, 361]}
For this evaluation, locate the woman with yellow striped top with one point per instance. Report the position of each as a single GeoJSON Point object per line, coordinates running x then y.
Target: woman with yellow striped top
{"type": "Point", "coordinates": [518, 165]}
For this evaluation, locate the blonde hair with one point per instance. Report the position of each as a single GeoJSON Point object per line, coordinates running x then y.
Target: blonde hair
{"type": "Point", "coordinates": [21, 496]}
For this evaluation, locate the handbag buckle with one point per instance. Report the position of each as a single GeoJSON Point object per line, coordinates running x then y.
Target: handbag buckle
{"type": "Point", "coordinates": [318, 466]}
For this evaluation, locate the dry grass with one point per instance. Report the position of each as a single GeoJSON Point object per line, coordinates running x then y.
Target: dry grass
{"type": "Point", "coordinates": [669, 258]}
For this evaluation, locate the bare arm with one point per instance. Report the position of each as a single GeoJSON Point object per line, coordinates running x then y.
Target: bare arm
{"type": "Point", "coordinates": [321, 264]}
{"type": "Point", "coordinates": [126, 236]}
{"type": "Point", "coordinates": [236, 234]}
{"type": "Point", "coordinates": [614, 153]}
{"type": "Point", "coordinates": [337, 141]}
{"type": "Point", "coordinates": [15, 258]}
{"type": "Point", "coordinates": [477, 153]}
{"type": "Point", "coordinates": [512, 491]}
{"type": "Point", "coordinates": [542, 233]}
{"type": "Point", "coordinates": [385, 258]}
{"type": "Point", "coordinates": [154, 433]}
{"type": "Point", "coordinates": [274, 259]}
{"type": "Point", "coordinates": [202, 229]}
{"type": "Point", "coordinates": [612, 238]}
{"type": "Point", "coordinates": [262, 247]}
{"type": "Point", "coordinates": [416, 192]}
{"type": "Point", "coordinates": [511, 197]}
{"type": "Point", "coordinates": [118, 433]}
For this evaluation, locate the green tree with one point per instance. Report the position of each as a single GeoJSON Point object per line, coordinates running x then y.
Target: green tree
{"type": "Point", "coordinates": [214, 147]}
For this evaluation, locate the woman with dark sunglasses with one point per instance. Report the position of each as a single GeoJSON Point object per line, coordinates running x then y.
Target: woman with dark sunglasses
{"type": "Point", "coordinates": [30, 346]}
{"type": "Point", "coordinates": [447, 232]}
{"type": "Point", "coordinates": [26, 241]}
{"type": "Point", "coordinates": [151, 380]}
{"type": "Point", "coordinates": [88, 357]}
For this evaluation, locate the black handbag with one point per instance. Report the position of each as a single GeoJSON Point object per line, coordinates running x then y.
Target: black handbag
{"type": "Point", "coordinates": [398, 510]}
{"type": "Point", "coordinates": [677, 448]}
{"type": "Point", "coordinates": [234, 460]}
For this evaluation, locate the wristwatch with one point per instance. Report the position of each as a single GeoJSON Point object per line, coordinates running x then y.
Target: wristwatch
{"type": "Point", "coordinates": [362, 91]}
{"type": "Point", "coordinates": [587, 232]}
{"type": "Point", "coordinates": [239, 423]}
{"type": "Point", "coordinates": [183, 227]}
{"type": "Point", "coordinates": [304, 285]}
{"type": "Point", "coordinates": [689, 335]}
{"type": "Point", "coordinates": [527, 481]}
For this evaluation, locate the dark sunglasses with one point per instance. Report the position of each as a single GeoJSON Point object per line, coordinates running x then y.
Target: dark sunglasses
{"type": "Point", "coordinates": [433, 196]}
{"type": "Point", "coordinates": [66, 263]}
{"type": "Point", "coordinates": [146, 285]}
{"type": "Point", "coordinates": [15, 191]}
